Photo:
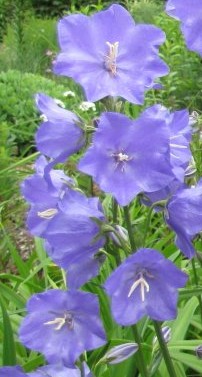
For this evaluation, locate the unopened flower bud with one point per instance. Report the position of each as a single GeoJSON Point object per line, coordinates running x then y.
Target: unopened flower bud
{"type": "Point", "coordinates": [121, 232]}
{"type": "Point", "coordinates": [120, 353]}
{"type": "Point", "coordinates": [166, 331]}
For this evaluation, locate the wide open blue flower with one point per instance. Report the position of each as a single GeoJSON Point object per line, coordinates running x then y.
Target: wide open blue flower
{"type": "Point", "coordinates": [144, 284]}
{"type": "Point", "coordinates": [189, 13]}
{"type": "Point", "coordinates": [130, 156]}
{"type": "Point", "coordinates": [62, 325]}
{"type": "Point", "coordinates": [109, 55]}
{"type": "Point", "coordinates": [184, 216]}
{"type": "Point", "coordinates": [59, 135]}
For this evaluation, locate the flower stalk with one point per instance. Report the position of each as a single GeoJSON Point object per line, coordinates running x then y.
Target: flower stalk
{"type": "Point", "coordinates": [164, 349]}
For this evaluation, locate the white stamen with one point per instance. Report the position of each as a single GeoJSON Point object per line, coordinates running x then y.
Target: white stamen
{"type": "Point", "coordinates": [60, 322]}
{"type": "Point", "coordinates": [110, 60]}
{"type": "Point", "coordinates": [143, 285]}
{"type": "Point", "coordinates": [122, 157]}
{"type": "Point", "coordinates": [178, 146]}
{"type": "Point", "coordinates": [48, 213]}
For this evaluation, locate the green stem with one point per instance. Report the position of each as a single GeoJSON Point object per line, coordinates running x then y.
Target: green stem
{"type": "Point", "coordinates": [164, 350]}
{"type": "Point", "coordinates": [196, 280]}
{"type": "Point", "coordinates": [147, 224]}
{"type": "Point", "coordinates": [115, 211]}
{"type": "Point", "coordinates": [160, 203]}
{"type": "Point", "coordinates": [139, 355]}
{"type": "Point", "coordinates": [129, 228]}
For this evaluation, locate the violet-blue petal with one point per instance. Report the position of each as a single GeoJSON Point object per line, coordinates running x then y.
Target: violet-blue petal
{"type": "Point", "coordinates": [43, 191]}
{"type": "Point", "coordinates": [184, 216]}
{"type": "Point", "coordinates": [189, 13]}
{"type": "Point", "coordinates": [59, 135]}
{"type": "Point", "coordinates": [148, 284]}
{"type": "Point", "coordinates": [108, 55]}
{"type": "Point", "coordinates": [57, 370]}
{"type": "Point", "coordinates": [122, 149]}
{"type": "Point", "coordinates": [15, 371]}
{"type": "Point", "coordinates": [62, 325]}
{"type": "Point", "coordinates": [81, 266]}
{"type": "Point", "coordinates": [72, 229]}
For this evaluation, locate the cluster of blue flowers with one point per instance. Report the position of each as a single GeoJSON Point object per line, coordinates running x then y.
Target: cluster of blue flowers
{"type": "Point", "coordinates": [108, 55]}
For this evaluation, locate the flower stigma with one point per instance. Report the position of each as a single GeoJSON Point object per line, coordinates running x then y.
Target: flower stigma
{"type": "Point", "coordinates": [62, 321]}
{"type": "Point", "coordinates": [144, 286]}
{"type": "Point", "coordinates": [121, 158]}
{"type": "Point", "coordinates": [48, 213]}
{"type": "Point", "coordinates": [110, 59]}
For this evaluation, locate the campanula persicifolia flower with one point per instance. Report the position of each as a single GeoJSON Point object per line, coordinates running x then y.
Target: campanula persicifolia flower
{"type": "Point", "coordinates": [73, 237]}
{"type": "Point", "coordinates": [189, 13]}
{"type": "Point", "coordinates": [184, 216]}
{"type": "Point", "coordinates": [109, 55]}
{"type": "Point", "coordinates": [129, 156]}
{"type": "Point", "coordinates": [62, 325]}
{"type": "Point", "coordinates": [147, 285]}
{"type": "Point", "coordinates": [59, 135]}
{"type": "Point", "coordinates": [43, 194]}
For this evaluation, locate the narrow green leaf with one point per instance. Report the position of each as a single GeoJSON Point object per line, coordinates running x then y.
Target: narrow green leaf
{"type": "Point", "coordinates": [189, 360]}
{"type": "Point", "coordinates": [12, 296]}
{"type": "Point", "coordinates": [9, 353]}
{"type": "Point", "coordinates": [182, 322]}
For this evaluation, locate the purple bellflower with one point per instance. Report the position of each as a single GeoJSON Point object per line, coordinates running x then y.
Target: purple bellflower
{"type": "Point", "coordinates": [59, 135]}
{"type": "Point", "coordinates": [62, 325]}
{"type": "Point", "coordinates": [180, 153]}
{"type": "Point", "coordinates": [108, 55]}
{"type": "Point", "coordinates": [130, 156]}
{"type": "Point", "coordinates": [147, 285]}
{"type": "Point", "coordinates": [189, 13]}
{"type": "Point", "coordinates": [43, 193]}
{"type": "Point", "coordinates": [73, 239]}
{"type": "Point", "coordinates": [184, 216]}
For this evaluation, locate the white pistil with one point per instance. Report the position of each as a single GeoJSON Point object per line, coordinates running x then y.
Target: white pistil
{"type": "Point", "coordinates": [110, 60]}
{"type": "Point", "coordinates": [60, 322]}
{"type": "Point", "coordinates": [143, 286]}
{"type": "Point", "coordinates": [48, 213]}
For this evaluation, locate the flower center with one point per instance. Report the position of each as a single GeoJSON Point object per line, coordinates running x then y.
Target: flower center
{"type": "Point", "coordinates": [142, 283]}
{"type": "Point", "coordinates": [110, 58]}
{"type": "Point", "coordinates": [62, 321]}
{"type": "Point", "coordinates": [48, 213]}
{"type": "Point", "coordinates": [120, 159]}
